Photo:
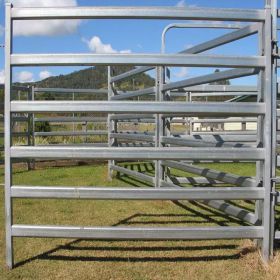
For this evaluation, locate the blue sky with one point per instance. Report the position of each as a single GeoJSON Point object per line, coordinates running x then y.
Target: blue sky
{"type": "Point", "coordinates": [135, 36]}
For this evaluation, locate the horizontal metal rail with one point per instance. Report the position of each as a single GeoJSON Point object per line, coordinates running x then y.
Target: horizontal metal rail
{"type": "Point", "coordinates": [13, 87]}
{"type": "Point", "coordinates": [198, 143]}
{"type": "Point", "coordinates": [124, 117]}
{"type": "Point", "coordinates": [96, 144]}
{"type": "Point", "coordinates": [138, 175]}
{"type": "Point", "coordinates": [221, 138]}
{"type": "Point", "coordinates": [192, 181]}
{"type": "Point", "coordinates": [71, 133]}
{"type": "Point", "coordinates": [70, 90]}
{"type": "Point", "coordinates": [71, 119]}
{"type": "Point", "coordinates": [16, 119]}
{"type": "Point", "coordinates": [197, 109]}
{"type": "Point", "coordinates": [137, 13]}
{"type": "Point", "coordinates": [137, 193]}
{"type": "Point", "coordinates": [228, 120]}
{"type": "Point", "coordinates": [137, 132]}
{"type": "Point", "coordinates": [138, 59]}
{"type": "Point", "coordinates": [16, 134]}
{"type": "Point", "coordinates": [116, 153]}
{"type": "Point", "coordinates": [234, 211]}
{"type": "Point", "coordinates": [133, 144]}
{"type": "Point", "coordinates": [214, 77]}
{"type": "Point", "coordinates": [146, 233]}
{"type": "Point", "coordinates": [214, 174]}
{"type": "Point", "coordinates": [131, 73]}
{"type": "Point", "coordinates": [222, 40]}
{"type": "Point", "coordinates": [215, 94]}
{"type": "Point", "coordinates": [229, 132]}
{"type": "Point", "coordinates": [137, 93]}
{"type": "Point", "coordinates": [133, 136]}
{"type": "Point", "coordinates": [220, 88]}
{"type": "Point", "coordinates": [222, 205]}
{"type": "Point", "coordinates": [137, 121]}
{"type": "Point", "coordinates": [208, 25]}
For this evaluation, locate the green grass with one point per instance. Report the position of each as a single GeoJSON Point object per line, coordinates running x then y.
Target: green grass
{"type": "Point", "coordinates": [86, 259]}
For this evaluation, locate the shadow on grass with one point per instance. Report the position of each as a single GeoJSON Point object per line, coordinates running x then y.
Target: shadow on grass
{"type": "Point", "coordinates": [53, 254]}
{"type": "Point", "coordinates": [202, 213]}
{"type": "Point", "coordinates": [207, 217]}
{"type": "Point", "coordinates": [56, 253]}
{"type": "Point", "coordinates": [130, 220]}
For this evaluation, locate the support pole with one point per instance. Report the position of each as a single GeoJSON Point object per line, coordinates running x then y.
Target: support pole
{"type": "Point", "coordinates": [8, 140]}
{"type": "Point", "coordinates": [274, 12]}
{"type": "Point", "coordinates": [159, 172]}
{"type": "Point", "coordinates": [112, 125]}
{"type": "Point", "coordinates": [29, 127]}
{"type": "Point", "coordinates": [267, 174]}
{"type": "Point", "coordinates": [260, 98]}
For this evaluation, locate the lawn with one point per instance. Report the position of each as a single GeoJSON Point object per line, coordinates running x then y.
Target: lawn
{"type": "Point", "coordinates": [86, 259]}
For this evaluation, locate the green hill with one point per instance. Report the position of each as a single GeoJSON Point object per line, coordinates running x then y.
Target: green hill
{"type": "Point", "coordinates": [92, 78]}
{"type": "Point", "coordinates": [96, 77]}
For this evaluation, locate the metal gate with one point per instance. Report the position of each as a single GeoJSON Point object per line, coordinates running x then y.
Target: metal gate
{"type": "Point", "coordinates": [167, 150]}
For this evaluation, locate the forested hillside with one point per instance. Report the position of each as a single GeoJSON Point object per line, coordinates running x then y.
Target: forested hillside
{"type": "Point", "coordinates": [96, 77]}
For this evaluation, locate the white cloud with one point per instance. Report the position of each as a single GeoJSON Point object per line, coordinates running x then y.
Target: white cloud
{"type": "Point", "coordinates": [181, 3]}
{"type": "Point", "coordinates": [43, 27]}
{"type": "Point", "coordinates": [2, 76]}
{"type": "Point", "coordinates": [97, 46]}
{"type": "Point", "coordinates": [183, 73]}
{"type": "Point", "coordinates": [44, 74]}
{"type": "Point", "coordinates": [25, 77]}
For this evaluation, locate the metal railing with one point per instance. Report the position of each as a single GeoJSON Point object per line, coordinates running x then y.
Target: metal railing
{"type": "Point", "coordinates": [18, 93]}
{"type": "Point", "coordinates": [74, 119]}
{"type": "Point", "coordinates": [168, 151]}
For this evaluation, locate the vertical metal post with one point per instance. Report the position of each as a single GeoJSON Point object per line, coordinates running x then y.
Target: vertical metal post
{"type": "Point", "coordinates": [166, 122]}
{"type": "Point", "coordinates": [190, 118]}
{"type": "Point", "coordinates": [159, 125]}
{"type": "Point", "coordinates": [267, 175]}
{"type": "Point", "coordinates": [29, 128]}
{"type": "Point", "coordinates": [86, 129]}
{"type": "Point", "coordinates": [162, 124]}
{"type": "Point", "coordinates": [33, 125]}
{"type": "Point", "coordinates": [73, 123]}
{"type": "Point", "coordinates": [274, 115]}
{"type": "Point", "coordinates": [8, 164]}
{"type": "Point", "coordinates": [259, 142]}
{"type": "Point", "coordinates": [33, 117]}
{"type": "Point", "coordinates": [110, 125]}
